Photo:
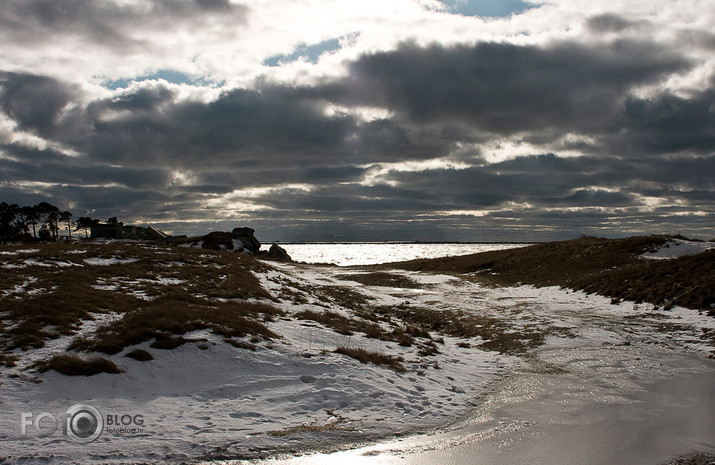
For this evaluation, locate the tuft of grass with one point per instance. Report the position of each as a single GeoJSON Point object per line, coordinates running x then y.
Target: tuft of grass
{"type": "Point", "coordinates": [417, 322]}
{"type": "Point", "coordinates": [339, 323]}
{"type": "Point", "coordinates": [340, 424]}
{"type": "Point", "coordinates": [140, 355]}
{"type": "Point", "coordinates": [8, 361]}
{"type": "Point", "coordinates": [344, 296]}
{"type": "Point", "coordinates": [163, 319]}
{"type": "Point", "coordinates": [166, 341]}
{"type": "Point", "coordinates": [241, 344]}
{"type": "Point", "coordinates": [385, 279]}
{"type": "Point", "coordinates": [73, 365]}
{"type": "Point", "coordinates": [376, 358]}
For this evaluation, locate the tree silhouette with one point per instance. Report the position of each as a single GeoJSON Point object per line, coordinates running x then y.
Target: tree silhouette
{"type": "Point", "coordinates": [7, 221]}
{"type": "Point", "coordinates": [23, 220]}
{"type": "Point", "coordinates": [66, 216]}
{"type": "Point", "coordinates": [50, 214]}
{"type": "Point", "coordinates": [32, 216]}
{"type": "Point", "coordinates": [85, 223]}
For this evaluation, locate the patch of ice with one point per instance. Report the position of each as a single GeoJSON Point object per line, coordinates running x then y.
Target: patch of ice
{"type": "Point", "coordinates": [679, 248]}
{"type": "Point", "coordinates": [97, 261]}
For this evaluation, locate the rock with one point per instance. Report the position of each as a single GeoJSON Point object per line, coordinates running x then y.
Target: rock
{"type": "Point", "coordinates": [277, 252]}
{"type": "Point", "coordinates": [218, 241]}
{"type": "Point", "coordinates": [248, 240]}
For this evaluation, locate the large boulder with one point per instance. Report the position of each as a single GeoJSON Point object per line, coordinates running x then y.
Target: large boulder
{"type": "Point", "coordinates": [247, 239]}
{"type": "Point", "coordinates": [218, 241]}
{"type": "Point", "coordinates": [277, 252]}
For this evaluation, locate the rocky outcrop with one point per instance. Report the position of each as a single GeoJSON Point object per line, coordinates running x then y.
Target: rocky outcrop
{"type": "Point", "coordinates": [247, 239]}
{"type": "Point", "coordinates": [240, 239]}
{"type": "Point", "coordinates": [276, 252]}
{"type": "Point", "coordinates": [217, 241]}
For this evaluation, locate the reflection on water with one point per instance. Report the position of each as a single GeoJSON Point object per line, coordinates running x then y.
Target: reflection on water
{"type": "Point", "coordinates": [370, 253]}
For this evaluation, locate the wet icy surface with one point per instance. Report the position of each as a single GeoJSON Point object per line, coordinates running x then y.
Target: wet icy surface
{"type": "Point", "coordinates": [635, 404]}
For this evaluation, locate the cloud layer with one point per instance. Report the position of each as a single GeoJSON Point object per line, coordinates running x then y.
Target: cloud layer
{"type": "Point", "coordinates": [548, 123]}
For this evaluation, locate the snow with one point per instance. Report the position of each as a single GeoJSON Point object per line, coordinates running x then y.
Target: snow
{"type": "Point", "coordinates": [208, 397]}
{"type": "Point", "coordinates": [17, 252]}
{"type": "Point", "coordinates": [97, 261]}
{"type": "Point", "coordinates": [679, 248]}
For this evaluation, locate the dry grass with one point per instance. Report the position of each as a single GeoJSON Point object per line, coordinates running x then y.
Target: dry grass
{"type": "Point", "coordinates": [383, 279]}
{"type": "Point", "coordinates": [376, 358]}
{"type": "Point", "coordinates": [403, 334]}
{"type": "Point", "coordinates": [140, 355]}
{"type": "Point", "coordinates": [495, 334]}
{"type": "Point", "coordinates": [342, 296]}
{"type": "Point", "coordinates": [166, 318]}
{"type": "Point", "coordinates": [609, 267]}
{"type": "Point", "coordinates": [73, 365]}
{"type": "Point", "coordinates": [337, 322]}
{"type": "Point", "coordinates": [206, 289]}
{"type": "Point", "coordinates": [340, 424]}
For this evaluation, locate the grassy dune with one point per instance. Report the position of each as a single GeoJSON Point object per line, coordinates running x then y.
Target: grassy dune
{"type": "Point", "coordinates": [153, 292]}
{"type": "Point", "coordinates": [139, 293]}
{"type": "Point", "coordinates": [609, 267]}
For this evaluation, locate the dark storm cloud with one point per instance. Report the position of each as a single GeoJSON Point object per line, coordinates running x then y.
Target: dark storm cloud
{"type": "Point", "coordinates": [507, 88]}
{"type": "Point", "coordinates": [255, 128]}
{"type": "Point", "coordinates": [444, 102]}
{"type": "Point", "coordinates": [34, 102]}
{"type": "Point", "coordinates": [82, 174]}
{"type": "Point", "coordinates": [667, 124]}
{"type": "Point", "coordinates": [107, 23]}
{"type": "Point", "coordinates": [441, 97]}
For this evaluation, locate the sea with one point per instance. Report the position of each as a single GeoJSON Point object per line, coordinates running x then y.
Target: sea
{"type": "Point", "coordinates": [372, 253]}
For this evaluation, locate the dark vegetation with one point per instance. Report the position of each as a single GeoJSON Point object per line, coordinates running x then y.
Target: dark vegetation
{"type": "Point", "coordinates": [73, 365]}
{"type": "Point", "coordinates": [376, 358]}
{"type": "Point", "coordinates": [383, 279]}
{"type": "Point", "coordinates": [140, 355]}
{"type": "Point", "coordinates": [494, 334]}
{"type": "Point", "coordinates": [40, 222]}
{"type": "Point", "coordinates": [158, 293]}
{"type": "Point", "coordinates": [50, 291]}
{"type": "Point", "coordinates": [409, 325]}
{"type": "Point", "coordinates": [609, 267]}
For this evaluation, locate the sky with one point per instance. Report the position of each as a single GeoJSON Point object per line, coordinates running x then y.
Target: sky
{"type": "Point", "coordinates": [337, 120]}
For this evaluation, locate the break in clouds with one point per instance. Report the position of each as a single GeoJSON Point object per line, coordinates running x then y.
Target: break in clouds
{"type": "Point", "coordinates": [602, 122]}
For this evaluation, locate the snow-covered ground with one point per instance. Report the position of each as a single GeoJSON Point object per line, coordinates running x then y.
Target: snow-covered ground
{"type": "Point", "coordinates": [675, 248]}
{"type": "Point", "coordinates": [209, 400]}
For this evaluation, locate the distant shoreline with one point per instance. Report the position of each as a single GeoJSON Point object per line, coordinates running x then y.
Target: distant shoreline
{"type": "Point", "coordinates": [406, 242]}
